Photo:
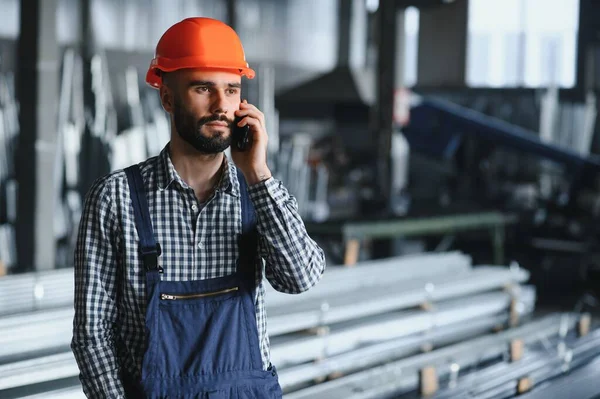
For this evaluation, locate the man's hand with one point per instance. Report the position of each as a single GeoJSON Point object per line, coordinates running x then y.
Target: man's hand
{"type": "Point", "coordinates": [253, 161]}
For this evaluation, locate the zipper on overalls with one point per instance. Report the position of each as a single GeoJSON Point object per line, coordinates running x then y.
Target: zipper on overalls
{"type": "Point", "coordinates": [170, 297]}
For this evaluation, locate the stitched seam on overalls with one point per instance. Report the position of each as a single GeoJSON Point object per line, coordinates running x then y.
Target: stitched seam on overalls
{"type": "Point", "coordinates": [153, 344]}
{"type": "Point", "coordinates": [246, 328]}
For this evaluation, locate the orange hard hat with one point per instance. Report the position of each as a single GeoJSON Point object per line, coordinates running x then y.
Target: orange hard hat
{"type": "Point", "coordinates": [198, 43]}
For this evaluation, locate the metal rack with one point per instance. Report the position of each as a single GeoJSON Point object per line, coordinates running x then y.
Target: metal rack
{"type": "Point", "coordinates": [411, 374]}
{"type": "Point", "coordinates": [580, 383]}
{"type": "Point", "coordinates": [394, 293]}
{"type": "Point", "coordinates": [294, 377]}
{"type": "Point", "coordinates": [388, 297]}
{"type": "Point", "coordinates": [28, 292]}
{"type": "Point", "coordinates": [540, 364]}
{"type": "Point", "coordinates": [401, 305]}
{"type": "Point", "coordinates": [297, 350]}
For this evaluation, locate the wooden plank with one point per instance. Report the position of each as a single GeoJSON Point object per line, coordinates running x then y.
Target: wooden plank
{"type": "Point", "coordinates": [516, 350]}
{"type": "Point", "coordinates": [514, 313]}
{"type": "Point", "coordinates": [429, 383]}
{"type": "Point", "coordinates": [352, 252]}
{"type": "Point", "coordinates": [583, 327]}
{"type": "Point", "coordinates": [524, 385]}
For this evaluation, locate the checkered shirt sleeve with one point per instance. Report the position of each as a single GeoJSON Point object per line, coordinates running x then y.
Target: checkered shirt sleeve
{"type": "Point", "coordinates": [93, 343]}
{"type": "Point", "coordinates": [293, 261]}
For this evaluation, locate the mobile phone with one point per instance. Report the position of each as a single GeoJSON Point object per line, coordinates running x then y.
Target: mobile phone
{"type": "Point", "coordinates": [240, 135]}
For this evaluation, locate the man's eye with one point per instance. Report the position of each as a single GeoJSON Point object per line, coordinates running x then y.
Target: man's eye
{"type": "Point", "coordinates": [232, 91]}
{"type": "Point", "coordinates": [202, 89]}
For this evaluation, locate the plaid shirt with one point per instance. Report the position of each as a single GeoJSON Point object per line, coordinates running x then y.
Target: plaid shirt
{"type": "Point", "coordinates": [197, 243]}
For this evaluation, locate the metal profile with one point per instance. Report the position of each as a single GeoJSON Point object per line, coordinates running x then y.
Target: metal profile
{"type": "Point", "coordinates": [287, 319]}
{"type": "Point", "coordinates": [580, 383]}
{"type": "Point", "coordinates": [342, 338]}
{"type": "Point", "coordinates": [372, 355]}
{"type": "Point", "coordinates": [41, 369]}
{"type": "Point", "coordinates": [337, 279]}
{"type": "Point", "coordinates": [388, 297]}
{"type": "Point", "coordinates": [538, 366]}
{"type": "Point", "coordinates": [438, 279]}
{"type": "Point", "coordinates": [62, 365]}
{"type": "Point", "coordinates": [23, 336]}
{"type": "Point", "coordinates": [34, 291]}
{"type": "Point", "coordinates": [402, 375]}
{"type": "Point", "coordinates": [44, 290]}
{"type": "Point", "coordinates": [66, 393]}
{"type": "Point", "coordinates": [9, 130]}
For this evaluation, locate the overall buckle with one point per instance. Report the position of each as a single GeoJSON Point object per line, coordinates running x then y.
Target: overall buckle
{"type": "Point", "coordinates": [150, 258]}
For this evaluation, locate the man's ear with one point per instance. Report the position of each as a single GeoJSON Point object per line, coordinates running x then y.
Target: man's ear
{"type": "Point", "coordinates": [166, 98]}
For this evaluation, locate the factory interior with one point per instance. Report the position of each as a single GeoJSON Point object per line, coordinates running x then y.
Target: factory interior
{"type": "Point", "coordinates": [444, 155]}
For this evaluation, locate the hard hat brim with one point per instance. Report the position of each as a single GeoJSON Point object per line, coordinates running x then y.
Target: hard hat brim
{"type": "Point", "coordinates": [168, 65]}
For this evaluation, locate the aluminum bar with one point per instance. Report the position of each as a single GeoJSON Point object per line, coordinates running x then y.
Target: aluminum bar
{"type": "Point", "coordinates": [42, 290]}
{"type": "Point", "coordinates": [20, 334]}
{"type": "Point", "coordinates": [287, 318]}
{"type": "Point", "coordinates": [369, 273]}
{"type": "Point", "coordinates": [581, 383]}
{"type": "Point", "coordinates": [67, 393]}
{"type": "Point", "coordinates": [390, 378]}
{"type": "Point", "coordinates": [37, 370]}
{"type": "Point", "coordinates": [500, 380]}
{"type": "Point", "coordinates": [342, 338]}
{"type": "Point", "coordinates": [32, 291]}
{"type": "Point", "coordinates": [23, 339]}
{"type": "Point", "coordinates": [37, 88]}
{"type": "Point", "coordinates": [48, 368]}
{"type": "Point", "coordinates": [385, 298]}
{"type": "Point", "coordinates": [61, 220]}
{"type": "Point", "coordinates": [373, 355]}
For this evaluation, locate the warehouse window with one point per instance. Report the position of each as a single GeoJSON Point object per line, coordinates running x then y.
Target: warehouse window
{"type": "Point", "coordinates": [512, 44]}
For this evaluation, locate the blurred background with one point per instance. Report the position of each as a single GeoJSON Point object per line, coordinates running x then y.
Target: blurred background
{"type": "Point", "coordinates": [444, 154]}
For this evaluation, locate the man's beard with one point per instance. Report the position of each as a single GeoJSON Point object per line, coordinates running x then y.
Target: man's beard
{"type": "Point", "coordinates": [189, 129]}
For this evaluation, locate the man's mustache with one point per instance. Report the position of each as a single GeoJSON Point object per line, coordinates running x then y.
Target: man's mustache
{"type": "Point", "coordinates": [215, 118]}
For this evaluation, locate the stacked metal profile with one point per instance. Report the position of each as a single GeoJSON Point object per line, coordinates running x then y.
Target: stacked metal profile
{"type": "Point", "coordinates": [538, 363]}
{"type": "Point", "coordinates": [354, 319]}
{"type": "Point", "coordinates": [9, 129]}
{"type": "Point", "coordinates": [578, 383]}
{"type": "Point", "coordinates": [422, 375]}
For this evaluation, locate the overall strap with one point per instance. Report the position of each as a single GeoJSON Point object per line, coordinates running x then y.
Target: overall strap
{"type": "Point", "coordinates": [248, 217]}
{"type": "Point", "coordinates": [149, 248]}
{"type": "Point", "coordinates": [248, 242]}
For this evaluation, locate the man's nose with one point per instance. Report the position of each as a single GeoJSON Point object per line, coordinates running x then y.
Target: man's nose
{"type": "Point", "coordinates": [219, 103]}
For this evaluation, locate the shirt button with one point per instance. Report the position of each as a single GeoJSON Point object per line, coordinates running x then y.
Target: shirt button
{"type": "Point", "coordinates": [194, 207]}
{"type": "Point", "coordinates": [200, 245]}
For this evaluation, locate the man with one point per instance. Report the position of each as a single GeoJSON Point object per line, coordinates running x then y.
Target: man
{"type": "Point", "coordinates": [169, 300]}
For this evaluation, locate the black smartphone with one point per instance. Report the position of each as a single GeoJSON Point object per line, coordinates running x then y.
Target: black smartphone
{"type": "Point", "coordinates": [240, 136]}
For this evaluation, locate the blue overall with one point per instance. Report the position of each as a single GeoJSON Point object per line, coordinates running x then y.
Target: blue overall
{"type": "Point", "coordinates": [202, 336]}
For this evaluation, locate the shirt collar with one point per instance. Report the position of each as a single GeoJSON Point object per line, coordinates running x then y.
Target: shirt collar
{"type": "Point", "coordinates": [166, 174]}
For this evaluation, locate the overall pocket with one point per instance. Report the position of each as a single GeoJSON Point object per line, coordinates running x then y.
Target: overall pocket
{"type": "Point", "coordinates": [203, 333]}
